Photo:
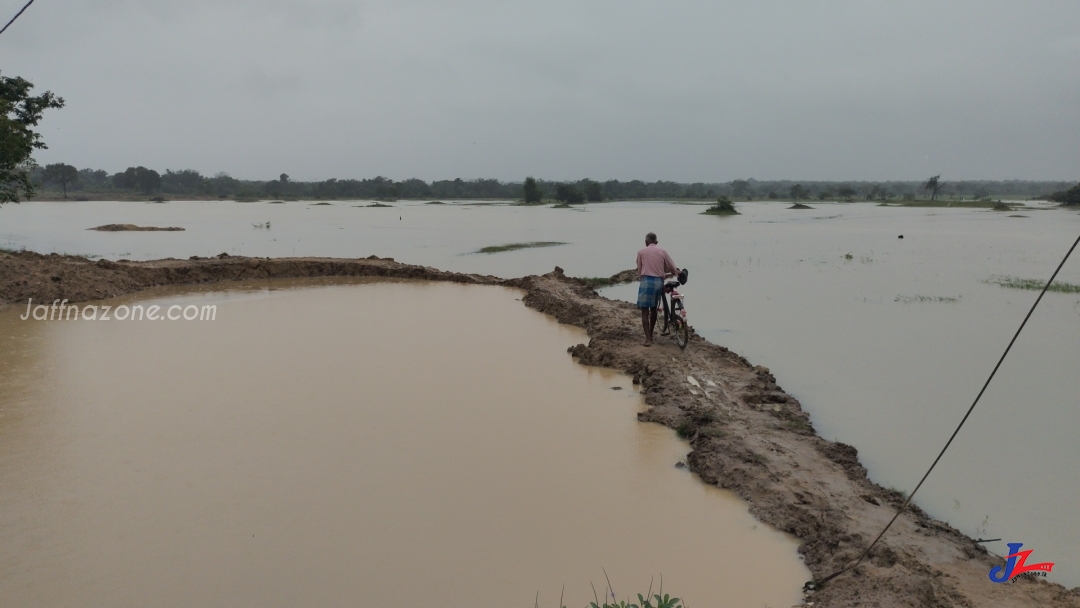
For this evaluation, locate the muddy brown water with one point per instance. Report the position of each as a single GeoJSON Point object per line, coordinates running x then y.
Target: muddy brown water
{"type": "Point", "coordinates": [320, 443]}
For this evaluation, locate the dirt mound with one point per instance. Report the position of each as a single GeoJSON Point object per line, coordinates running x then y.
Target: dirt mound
{"type": "Point", "coordinates": [746, 433]}
{"type": "Point", "coordinates": [133, 228]}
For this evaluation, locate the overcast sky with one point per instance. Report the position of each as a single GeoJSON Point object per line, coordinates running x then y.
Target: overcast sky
{"type": "Point", "coordinates": [685, 90]}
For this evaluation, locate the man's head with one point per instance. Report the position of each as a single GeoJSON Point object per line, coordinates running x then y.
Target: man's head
{"type": "Point", "coordinates": [650, 239]}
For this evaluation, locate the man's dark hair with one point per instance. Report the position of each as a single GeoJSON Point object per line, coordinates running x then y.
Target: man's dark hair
{"type": "Point", "coordinates": [650, 238]}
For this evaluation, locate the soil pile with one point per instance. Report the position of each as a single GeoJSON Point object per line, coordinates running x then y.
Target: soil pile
{"type": "Point", "coordinates": [746, 433]}
{"type": "Point", "coordinates": [133, 228]}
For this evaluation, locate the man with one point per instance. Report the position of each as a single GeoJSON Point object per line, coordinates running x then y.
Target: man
{"type": "Point", "coordinates": [652, 264]}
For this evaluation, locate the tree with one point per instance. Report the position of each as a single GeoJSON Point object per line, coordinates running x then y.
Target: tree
{"type": "Point", "coordinates": [19, 113]}
{"type": "Point", "coordinates": [568, 193]}
{"type": "Point", "coordinates": [138, 178]}
{"type": "Point", "coordinates": [799, 191]}
{"type": "Point", "coordinates": [533, 193]}
{"type": "Point", "coordinates": [933, 185]}
{"type": "Point", "coordinates": [740, 188]}
{"type": "Point", "coordinates": [846, 192]}
{"type": "Point", "coordinates": [593, 193]}
{"type": "Point", "coordinates": [185, 180]}
{"type": "Point", "coordinates": [1067, 197]}
{"type": "Point", "coordinates": [61, 174]}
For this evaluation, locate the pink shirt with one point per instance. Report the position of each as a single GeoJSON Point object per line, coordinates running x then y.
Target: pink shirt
{"type": "Point", "coordinates": [652, 261]}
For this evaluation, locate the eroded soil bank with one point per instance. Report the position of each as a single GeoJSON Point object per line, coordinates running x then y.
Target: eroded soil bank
{"type": "Point", "coordinates": [747, 434]}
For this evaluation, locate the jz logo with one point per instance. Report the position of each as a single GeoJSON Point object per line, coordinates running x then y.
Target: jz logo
{"type": "Point", "coordinates": [1014, 565]}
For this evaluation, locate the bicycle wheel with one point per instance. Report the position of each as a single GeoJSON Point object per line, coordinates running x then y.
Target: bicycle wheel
{"type": "Point", "coordinates": [682, 333]}
{"type": "Point", "coordinates": [682, 330]}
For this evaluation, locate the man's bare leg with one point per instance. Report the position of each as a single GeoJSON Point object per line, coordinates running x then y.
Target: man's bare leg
{"type": "Point", "coordinates": [652, 322]}
{"type": "Point", "coordinates": [646, 325]}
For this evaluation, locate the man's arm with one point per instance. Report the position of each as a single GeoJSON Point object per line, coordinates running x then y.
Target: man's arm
{"type": "Point", "coordinates": [669, 264]}
{"type": "Point", "coordinates": [639, 263]}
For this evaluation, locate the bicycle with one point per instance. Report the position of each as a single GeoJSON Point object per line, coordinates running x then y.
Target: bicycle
{"type": "Point", "coordinates": [675, 313]}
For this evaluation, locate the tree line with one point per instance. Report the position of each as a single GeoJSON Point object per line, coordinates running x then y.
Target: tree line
{"type": "Point", "coordinates": [21, 177]}
{"type": "Point", "coordinates": [141, 180]}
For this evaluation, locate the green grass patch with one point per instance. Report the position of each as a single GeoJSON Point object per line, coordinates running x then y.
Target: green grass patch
{"type": "Point", "coordinates": [516, 246]}
{"type": "Point", "coordinates": [1033, 284]}
{"type": "Point", "coordinates": [626, 276]}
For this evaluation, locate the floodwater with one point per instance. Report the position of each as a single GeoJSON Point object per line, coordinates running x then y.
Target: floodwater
{"type": "Point", "coordinates": [332, 442]}
{"type": "Point", "coordinates": [885, 349]}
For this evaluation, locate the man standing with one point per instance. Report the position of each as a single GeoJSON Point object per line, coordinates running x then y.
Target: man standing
{"type": "Point", "coordinates": [652, 264]}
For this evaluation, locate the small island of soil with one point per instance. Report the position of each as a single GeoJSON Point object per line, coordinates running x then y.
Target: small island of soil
{"type": "Point", "coordinates": [133, 227]}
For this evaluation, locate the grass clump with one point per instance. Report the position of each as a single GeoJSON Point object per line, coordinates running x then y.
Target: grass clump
{"type": "Point", "coordinates": [1033, 284]}
{"type": "Point", "coordinates": [516, 246]}
{"type": "Point", "coordinates": [723, 206]}
{"type": "Point", "coordinates": [909, 299]}
{"type": "Point", "coordinates": [626, 276]}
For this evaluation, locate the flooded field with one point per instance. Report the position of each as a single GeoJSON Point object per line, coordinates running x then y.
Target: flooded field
{"type": "Point", "coordinates": [884, 340]}
{"type": "Point", "coordinates": [321, 441]}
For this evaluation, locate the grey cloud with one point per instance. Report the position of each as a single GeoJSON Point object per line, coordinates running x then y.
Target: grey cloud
{"type": "Point", "coordinates": [691, 91]}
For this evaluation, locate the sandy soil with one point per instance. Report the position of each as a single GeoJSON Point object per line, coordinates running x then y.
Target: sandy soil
{"type": "Point", "coordinates": [746, 433]}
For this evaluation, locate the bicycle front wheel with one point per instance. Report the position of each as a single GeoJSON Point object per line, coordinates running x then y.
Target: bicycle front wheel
{"type": "Point", "coordinates": [682, 333]}
{"type": "Point", "coordinates": [663, 313]}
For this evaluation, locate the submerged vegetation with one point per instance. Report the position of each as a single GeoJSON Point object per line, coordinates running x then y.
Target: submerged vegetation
{"type": "Point", "coordinates": [516, 246]}
{"type": "Point", "coordinates": [626, 276]}
{"type": "Point", "coordinates": [909, 299]}
{"type": "Point", "coordinates": [1033, 284]}
{"type": "Point", "coordinates": [723, 206]}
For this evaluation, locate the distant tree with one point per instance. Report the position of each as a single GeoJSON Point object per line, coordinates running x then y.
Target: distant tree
{"type": "Point", "coordinates": [138, 178]}
{"type": "Point", "coordinates": [846, 192]}
{"type": "Point", "coordinates": [283, 178]}
{"type": "Point", "coordinates": [933, 184]}
{"type": "Point", "coordinates": [92, 177]}
{"type": "Point", "coordinates": [533, 193]}
{"type": "Point", "coordinates": [61, 175]}
{"type": "Point", "coordinates": [740, 188]}
{"type": "Point", "coordinates": [878, 192]}
{"type": "Point", "coordinates": [798, 191]}
{"type": "Point", "coordinates": [824, 194]}
{"type": "Point", "coordinates": [773, 195]}
{"type": "Point", "coordinates": [1067, 197]}
{"type": "Point", "coordinates": [568, 193]}
{"type": "Point", "coordinates": [19, 113]}
{"type": "Point", "coordinates": [185, 180]}
{"type": "Point", "coordinates": [592, 190]}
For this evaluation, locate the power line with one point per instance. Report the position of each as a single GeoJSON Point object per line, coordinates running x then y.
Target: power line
{"type": "Point", "coordinates": [962, 421]}
{"type": "Point", "coordinates": [16, 16]}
